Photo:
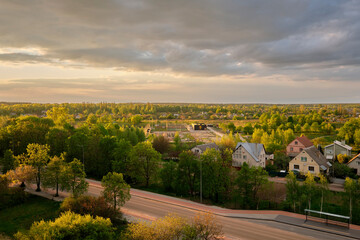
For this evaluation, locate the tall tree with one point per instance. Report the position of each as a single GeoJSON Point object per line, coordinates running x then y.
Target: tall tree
{"type": "Point", "coordinates": [73, 178]}
{"type": "Point", "coordinates": [310, 187]}
{"type": "Point", "coordinates": [37, 156]}
{"type": "Point", "coordinates": [292, 189]}
{"type": "Point", "coordinates": [8, 162]}
{"type": "Point", "coordinates": [350, 187]}
{"type": "Point", "coordinates": [53, 173]}
{"type": "Point", "coordinates": [144, 161]}
{"type": "Point", "coordinates": [188, 171]}
{"type": "Point", "coordinates": [116, 190]}
{"type": "Point", "coordinates": [324, 188]}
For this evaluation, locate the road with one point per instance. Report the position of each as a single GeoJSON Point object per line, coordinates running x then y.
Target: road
{"type": "Point", "coordinates": [149, 206]}
{"type": "Point", "coordinates": [221, 134]}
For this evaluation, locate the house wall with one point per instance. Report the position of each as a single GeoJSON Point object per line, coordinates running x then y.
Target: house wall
{"type": "Point", "coordinates": [297, 148]}
{"type": "Point", "coordinates": [196, 150]}
{"type": "Point", "coordinates": [238, 158]}
{"type": "Point", "coordinates": [338, 150]}
{"type": "Point", "coordinates": [355, 164]}
{"type": "Point", "coordinates": [304, 166]}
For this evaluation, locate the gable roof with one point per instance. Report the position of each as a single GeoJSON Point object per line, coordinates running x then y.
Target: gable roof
{"type": "Point", "coordinates": [357, 156]}
{"type": "Point", "coordinates": [254, 149]}
{"type": "Point", "coordinates": [305, 141]}
{"type": "Point", "coordinates": [339, 144]}
{"type": "Point", "coordinates": [203, 147]}
{"type": "Point", "coordinates": [318, 157]}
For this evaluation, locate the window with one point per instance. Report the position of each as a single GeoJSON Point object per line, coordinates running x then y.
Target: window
{"type": "Point", "coordinates": [311, 169]}
{"type": "Point", "coordinates": [296, 167]}
{"type": "Point", "coordinates": [301, 149]}
{"type": "Point", "coordinates": [304, 159]}
{"type": "Point", "coordinates": [291, 149]}
{"type": "Point", "coordinates": [296, 142]}
{"type": "Point", "coordinates": [244, 157]}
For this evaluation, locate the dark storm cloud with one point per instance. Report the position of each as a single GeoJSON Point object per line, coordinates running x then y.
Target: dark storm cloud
{"type": "Point", "coordinates": [203, 38]}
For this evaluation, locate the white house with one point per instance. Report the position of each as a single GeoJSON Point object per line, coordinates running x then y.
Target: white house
{"type": "Point", "coordinates": [199, 149]}
{"type": "Point", "coordinates": [332, 150]}
{"type": "Point", "coordinates": [251, 153]}
{"type": "Point", "coordinates": [354, 163]}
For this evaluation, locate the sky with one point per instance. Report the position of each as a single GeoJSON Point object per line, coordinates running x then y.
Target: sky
{"type": "Point", "coordinates": [200, 51]}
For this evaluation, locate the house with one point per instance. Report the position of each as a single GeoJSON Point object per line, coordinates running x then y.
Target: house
{"type": "Point", "coordinates": [354, 163]}
{"type": "Point", "coordinates": [310, 160]}
{"type": "Point", "coordinates": [296, 146]}
{"type": "Point", "coordinates": [199, 149]}
{"type": "Point", "coordinates": [251, 153]}
{"type": "Point", "coordinates": [332, 150]}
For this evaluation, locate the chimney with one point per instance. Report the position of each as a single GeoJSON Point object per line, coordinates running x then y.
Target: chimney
{"type": "Point", "coordinates": [319, 148]}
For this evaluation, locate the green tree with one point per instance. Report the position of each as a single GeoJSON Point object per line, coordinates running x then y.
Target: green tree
{"type": "Point", "coordinates": [250, 180]}
{"type": "Point", "coordinates": [188, 171]}
{"type": "Point", "coordinates": [324, 188]}
{"type": "Point", "coordinates": [293, 191]}
{"type": "Point", "coordinates": [350, 187]}
{"type": "Point", "coordinates": [37, 156]}
{"type": "Point", "coordinates": [8, 162]}
{"type": "Point", "coordinates": [177, 142]}
{"type": "Point", "coordinates": [168, 175]}
{"type": "Point", "coordinates": [144, 162]}
{"type": "Point", "coordinates": [116, 190]}
{"type": "Point", "coordinates": [73, 178]}
{"type": "Point", "coordinates": [310, 188]}
{"type": "Point", "coordinates": [53, 173]}
{"type": "Point", "coordinates": [60, 116]}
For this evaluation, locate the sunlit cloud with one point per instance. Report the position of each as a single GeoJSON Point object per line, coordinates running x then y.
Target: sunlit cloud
{"type": "Point", "coordinates": [205, 50]}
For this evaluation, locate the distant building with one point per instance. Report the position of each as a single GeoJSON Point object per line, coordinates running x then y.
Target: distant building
{"type": "Point", "coordinates": [310, 160]}
{"type": "Point", "coordinates": [296, 146]}
{"type": "Point", "coordinates": [332, 150]}
{"type": "Point", "coordinates": [354, 163]}
{"type": "Point", "coordinates": [199, 149]}
{"type": "Point", "coordinates": [251, 153]}
{"type": "Point", "coordinates": [198, 126]}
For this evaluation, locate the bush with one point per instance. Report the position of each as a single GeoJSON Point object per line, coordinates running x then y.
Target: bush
{"type": "Point", "coordinates": [95, 206]}
{"type": "Point", "coordinates": [70, 226]}
{"type": "Point", "coordinates": [10, 196]}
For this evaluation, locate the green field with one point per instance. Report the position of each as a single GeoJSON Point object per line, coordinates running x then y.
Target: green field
{"type": "Point", "coordinates": [21, 217]}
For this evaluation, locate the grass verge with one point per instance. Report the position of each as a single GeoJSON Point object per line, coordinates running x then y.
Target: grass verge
{"type": "Point", "coordinates": [21, 217]}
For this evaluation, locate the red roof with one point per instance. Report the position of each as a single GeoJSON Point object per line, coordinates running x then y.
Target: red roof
{"type": "Point", "coordinates": [305, 141]}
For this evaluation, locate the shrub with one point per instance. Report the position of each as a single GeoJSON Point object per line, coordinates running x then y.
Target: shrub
{"type": "Point", "coordinates": [10, 196]}
{"type": "Point", "coordinates": [95, 206]}
{"type": "Point", "coordinates": [70, 226]}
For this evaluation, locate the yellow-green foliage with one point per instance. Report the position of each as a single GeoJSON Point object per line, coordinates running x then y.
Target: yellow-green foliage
{"type": "Point", "coordinates": [171, 227]}
{"type": "Point", "coordinates": [70, 226]}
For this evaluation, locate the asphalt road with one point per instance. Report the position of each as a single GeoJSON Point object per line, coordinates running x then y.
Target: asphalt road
{"type": "Point", "coordinates": [145, 208]}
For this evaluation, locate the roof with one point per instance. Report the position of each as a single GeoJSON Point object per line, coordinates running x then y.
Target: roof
{"type": "Point", "coordinates": [340, 144]}
{"type": "Point", "coordinates": [318, 157]}
{"type": "Point", "coordinates": [357, 156]}
{"type": "Point", "coordinates": [254, 149]}
{"type": "Point", "coordinates": [203, 147]}
{"type": "Point", "coordinates": [305, 141]}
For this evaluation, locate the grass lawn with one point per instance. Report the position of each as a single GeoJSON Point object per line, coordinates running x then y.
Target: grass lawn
{"type": "Point", "coordinates": [21, 217]}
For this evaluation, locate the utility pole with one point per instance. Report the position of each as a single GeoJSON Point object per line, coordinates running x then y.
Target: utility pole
{"type": "Point", "coordinates": [200, 181]}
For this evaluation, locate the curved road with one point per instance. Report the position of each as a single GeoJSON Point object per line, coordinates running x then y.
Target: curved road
{"type": "Point", "coordinates": [149, 206]}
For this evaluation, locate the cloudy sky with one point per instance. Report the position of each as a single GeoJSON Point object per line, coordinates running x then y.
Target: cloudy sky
{"type": "Point", "coordinates": [228, 51]}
